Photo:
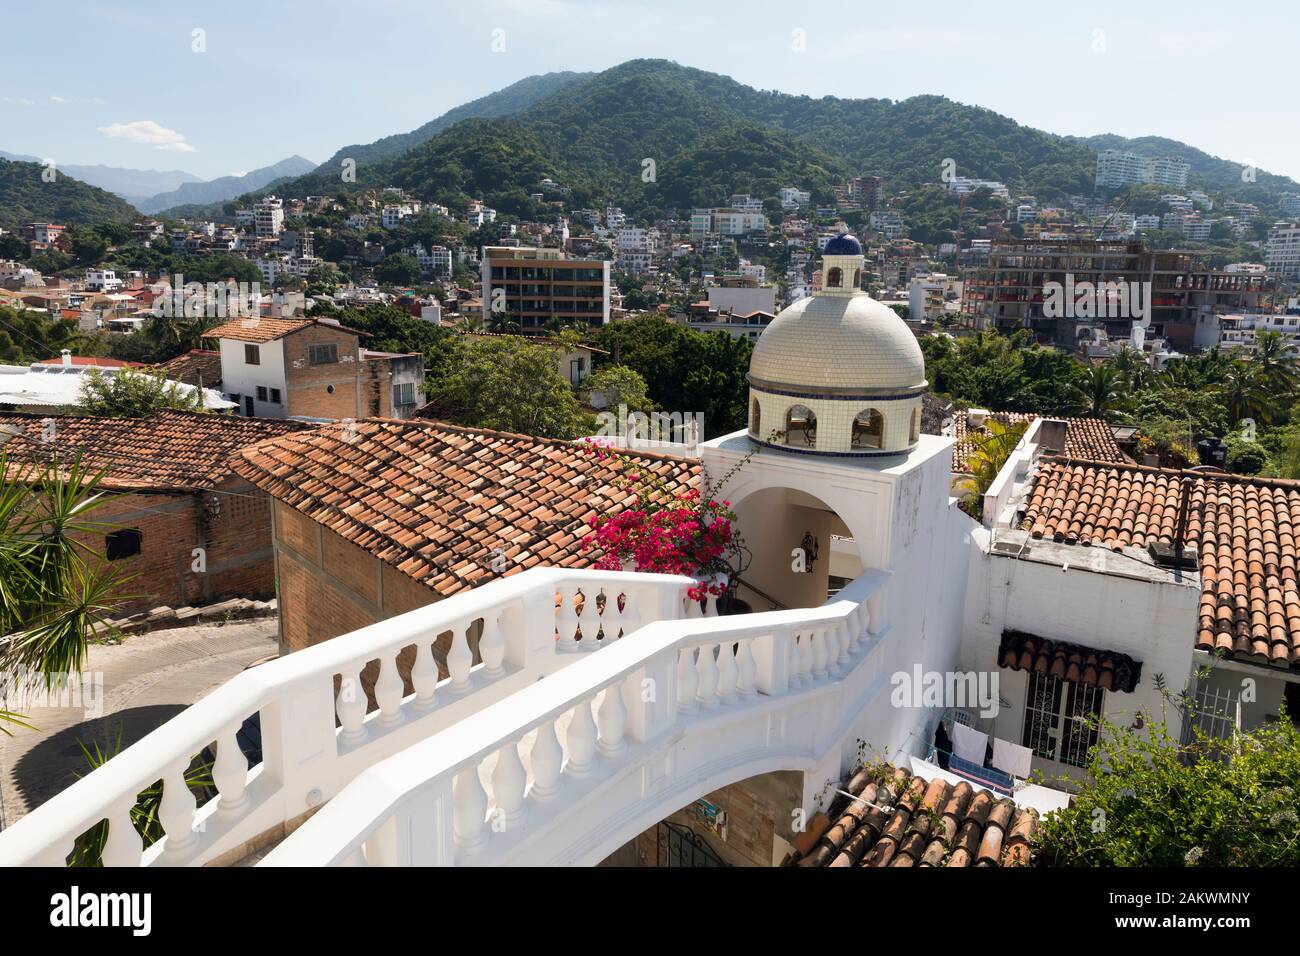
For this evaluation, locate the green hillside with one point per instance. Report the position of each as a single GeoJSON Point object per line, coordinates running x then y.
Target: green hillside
{"type": "Point", "coordinates": [25, 197]}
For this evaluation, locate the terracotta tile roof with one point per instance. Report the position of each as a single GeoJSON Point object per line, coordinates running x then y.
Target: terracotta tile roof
{"type": "Point", "coordinates": [268, 329]}
{"type": "Point", "coordinates": [195, 367]}
{"type": "Point", "coordinates": [173, 451]}
{"type": "Point", "coordinates": [1089, 438]}
{"type": "Point", "coordinates": [1244, 530]}
{"type": "Point", "coordinates": [904, 820]}
{"type": "Point", "coordinates": [1108, 670]}
{"type": "Point", "coordinates": [440, 502]}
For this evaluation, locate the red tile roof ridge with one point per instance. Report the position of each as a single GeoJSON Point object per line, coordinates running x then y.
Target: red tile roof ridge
{"type": "Point", "coordinates": [1223, 476]}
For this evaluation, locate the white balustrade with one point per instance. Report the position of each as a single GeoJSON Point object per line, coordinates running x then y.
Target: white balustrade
{"type": "Point", "coordinates": [589, 621]}
{"type": "Point", "coordinates": [316, 740]}
{"type": "Point", "coordinates": [741, 661]}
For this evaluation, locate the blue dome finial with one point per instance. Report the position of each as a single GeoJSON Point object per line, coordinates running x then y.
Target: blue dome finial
{"type": "Point", "coordinates": [843, 245]}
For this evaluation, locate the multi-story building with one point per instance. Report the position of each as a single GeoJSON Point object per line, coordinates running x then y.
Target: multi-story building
{"type": "Point", "coordinates": [102, 280]}
{"type": "Point", "coordinates": [961, 185]}
{"type": "Point", "coordinates": [1011, 291]}
{"type": "Point", "coordinates": [866, 191]}
{"type": "Point", "coordinates": [268, 216]}
{"type": "Point", "coordinates": [314, 369]}
{"type": "Point", "coordinates": [726, 222]}
{"type": "Point", "coordinates": [1283, 251]}
{"type": "Point", "coordinates": [1289, 204]}
{"type": "Point", "coordinates": [792, 198]}
{"type": "Point", "coordinates": [1116, 168]}
{"type": "Point", "coordinates": [741, 295]}
{"type": "Point", "coordinates": [479, 215]}
{"type": "Point", "coordinates": [535, 285]}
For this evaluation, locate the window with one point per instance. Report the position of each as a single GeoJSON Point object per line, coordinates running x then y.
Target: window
{"type": "Point", "coordinates": [756, 420]}
{"type": "Point", "coordinates": [404, 393]}
{"type": "Point", "coordinates": [834, 278]}
{"type": "Point", "coordinates": [261, 393]}
{"type": "Point", "coordinates": [322, 354]}
{"type": "Point", "coordinates": [575, 371]}
{"type": "Point", "coordinates": [1057, 712]}
{"type": "Point", "coordinates": [252, 354]}
{"type": "Point", "coordinates": [248, 405]}
{"type": "Point", "coordinates": [275, 395]}
{"type": "Point", "coordinates": [801, 426]}
{"type": "Point", "coordinates": [122, 543]}
{"type": "Point", "coordinates": [916, 424]}
{"type": "Point", "coordinates": [868, 429]}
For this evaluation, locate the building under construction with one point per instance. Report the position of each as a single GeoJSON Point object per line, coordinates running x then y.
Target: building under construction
{"type": "Point", "coordinates": [1016, 289]}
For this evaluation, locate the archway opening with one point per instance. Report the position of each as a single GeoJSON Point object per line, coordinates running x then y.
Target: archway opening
{"type": "Point", "coordinates": [834, 278]}
{"type": "Point", "coordinates": [868, 429]}
{"type": "Point", "coordinates": [800, 427]}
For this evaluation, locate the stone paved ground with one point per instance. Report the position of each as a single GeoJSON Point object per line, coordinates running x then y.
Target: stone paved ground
{"type": "Point", "coordinates": [147, 679]}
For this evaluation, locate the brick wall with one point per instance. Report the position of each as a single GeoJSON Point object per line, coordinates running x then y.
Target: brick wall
{"type": "Point", "coordinates": [322, 391]}
{"type": "Point", "coordinates": [328, 587]}
{"type": "Point", "coordinates": [235, 538]}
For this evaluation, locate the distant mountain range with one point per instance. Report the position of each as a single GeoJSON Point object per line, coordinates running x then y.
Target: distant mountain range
{"type": "Point", "coordinates": [154, 190]}
{"type": "Point", "coordinates": [226, 187]}
{"type": "Point", "coordinates": [709, 136]}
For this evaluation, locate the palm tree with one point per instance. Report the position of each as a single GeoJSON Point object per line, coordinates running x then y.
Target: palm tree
{"type": "Point", "coordinates": [992, 450]}
{"type": "Point", "coordinates": [1132, 367]}
{"type": "Point", "coordinates": [1277, 369]}
{"type": "Point", "coordinates": [1244, 392]}
{"type": "Point", "coordinates": [472, 323]}
{"type": "Point", "coordinates": [55, 592]}
{"type": "Point", "coordinates": [502, 323]}
{"type": "Point", "coordinates": [1098, 390]}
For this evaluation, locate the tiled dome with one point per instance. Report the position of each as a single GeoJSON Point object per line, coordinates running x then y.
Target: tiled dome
{"type": "Point", "coordinates": [837, 344]}
{"type": "Point", "coordinates": [843, 245]}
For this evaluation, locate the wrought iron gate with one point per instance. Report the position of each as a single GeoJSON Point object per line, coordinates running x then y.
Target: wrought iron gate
{"type": "Point", "coordinates": [677, 845]}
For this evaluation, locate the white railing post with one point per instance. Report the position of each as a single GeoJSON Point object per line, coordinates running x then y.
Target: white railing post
{"type": "Point", "coordinates": [529, 628]}
{"type": "Point", "coordinates": [547, 758]}
{"type": "Point", "coordinates": [230, 773]}
{"type": "Point", "coordinates": [772, 659]}
{"type": "Point", "coordinates": [300, 747]}
{"type": "Point", "coordinates": [566, 618]}
{"type": "Point", "coordinates": [460, 659]}
{"type": "Point", "coordinates": [492, 646]}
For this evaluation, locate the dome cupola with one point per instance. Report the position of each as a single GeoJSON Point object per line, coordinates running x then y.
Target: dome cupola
{"type": "Point", "coordinates": [837, 373]}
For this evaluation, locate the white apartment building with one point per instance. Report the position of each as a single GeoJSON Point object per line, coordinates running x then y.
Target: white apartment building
{"type": "Point", "coordinates": [614, 218]}
{"type": "Point", "coordinates": [479, 215]}
{"type": "Point", "coordinates": [888, 223]}
{"type": "Point", "coordinates": [792, 198]}
{"type": "Point", "coordinates": [745, 203]}
{"type": "Point", "coordinates": [961, 185]}
{"type": "Point", "coordinates": [268, 216]}
{"type": "Point", "coordinates": [392, 215]}
{"type": "Point", "coordinates": [726, 222]}
{"type": "Point", "coordinates": [1283, 250]}
{"type": "Point", "coordinates": [1116, 168]}
{"type": "Point", "coordinates": [1289, 204]}
{"type": "Point", "coordinates": [102, 280]}
{"type": "Point", "coordinates": [1149, 221]}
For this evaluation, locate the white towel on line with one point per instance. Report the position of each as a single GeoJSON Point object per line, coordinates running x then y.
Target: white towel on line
{"type": "Point", "coordinates": [1012, 758]}
{"type": "Point", "coordinates": [969, 743]}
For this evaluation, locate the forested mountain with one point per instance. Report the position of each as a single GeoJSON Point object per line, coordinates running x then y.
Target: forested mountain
{"type": "Point", "coordinates": [26, 197]}
{"type": "Point", "coordinates": [709, 136]}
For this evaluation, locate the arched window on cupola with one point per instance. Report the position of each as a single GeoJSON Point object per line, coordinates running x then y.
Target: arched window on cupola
{"type": "Point", "coordinates": [857, 278]}
{"type": "Point", "coordinates": [756, 420]}
{"type": "Point", "coordinates": [916, 425]}
{"type": "Point", "coordinates": [868, 429]}
{"type": "Point", "coordinates": [800, 427]}
{"type": "Point", "coordinates": [834, 278]}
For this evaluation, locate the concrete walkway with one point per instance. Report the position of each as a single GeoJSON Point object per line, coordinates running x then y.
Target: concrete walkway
{"type": "Point", "coordinates": [147, 679]}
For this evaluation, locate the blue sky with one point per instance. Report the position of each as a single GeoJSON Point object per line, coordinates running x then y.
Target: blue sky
{"type": "Point", "coordinates": [120, 83]}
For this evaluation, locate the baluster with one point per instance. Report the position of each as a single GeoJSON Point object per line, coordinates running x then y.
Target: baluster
{"type": "Point", "coordinates": [176, 810]}
{"type": "Point", "coordinates": [508, 780]}
{"type": "Point", "coordinates": [581, 738]}
{"type": "Point", "coordinates": [350, 705]}
{"type": "Point", "coordinates": [708, 672]}
{"type": "Point", "coordinates": [547, 759]}
{"type": "Point", "coordinates": [630, 618]}
{"type": "Point", "coordinates": [589, 621]}
{"type": "Point", "coordinates": [746, 669]}
{"type": "Point", "coordinates": [856, 626]}
{"type": "Point", "coordinates": [843, 631]}
{"type": "Point", "coordinates": [612, 721]}
{"type": "Point", "coordinates": [687, 680]}
{"type": "Point", "coordinates": [611, 621]}
{"type": "Point", "coordinates": [492, 646]}
{"type": "Point", "coordinates": [693, 609]}
{"type": "Point", "coordinates": [795, 663]}
{"type": "Point", "coordinates": [819, 653]}
{"type": "Point", "coordinates": [726, 672]}
{"type": "Point", "coordinates": [806, 659]}
{"type": "Point", "coordinates": [460, 658]}
{"type": "Point", "coordinates": [567, 619]}
{"type": "Point", "coordinates": [230, 772]}
{"type": "Point", "coordinates": [469, 809]}
{"type": "Point", "coordinates": [123, 846]}
{"type": "Point", "coordinates": [388, 692]}
{"type": "Point", "coordinates": [710, 604]}
{"type": "Point", "coordinates": [424, 676]}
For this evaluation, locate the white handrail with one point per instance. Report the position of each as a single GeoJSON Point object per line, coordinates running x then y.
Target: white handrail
{"type": "Point", "coordinates": [419, 780]}
{"type": "Point", "coordinates": [304, 763]}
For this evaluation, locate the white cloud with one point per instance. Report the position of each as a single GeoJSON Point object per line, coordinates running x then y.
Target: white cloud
{"type": "Point", "coordinates": [149, 133]}
{"type": "Point", "coordinates": [19, 101]}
